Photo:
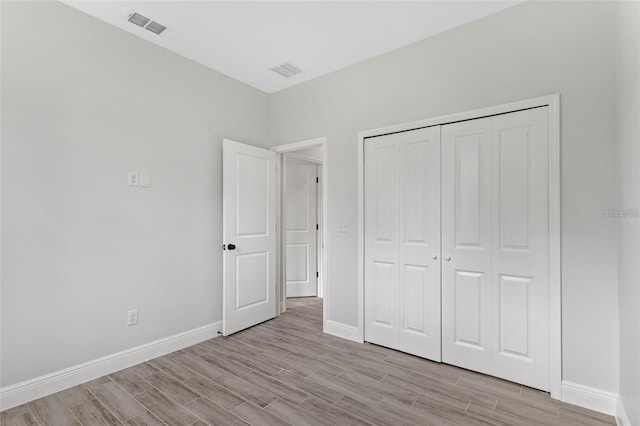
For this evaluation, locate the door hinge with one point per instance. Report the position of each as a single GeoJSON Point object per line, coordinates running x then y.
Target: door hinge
{"type": "Point", "coordinates": [317, 180]}
{"type": "Point", "coordinates": [317, 274]}
{"type": "Point", "coordinates": [317, 226]}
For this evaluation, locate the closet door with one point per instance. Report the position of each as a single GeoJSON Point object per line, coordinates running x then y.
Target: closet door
{"type": "Point", "coordinates": [520, 261]}
{"type": "Point", "coordinates": [402, 241]}
{"type": "Point", "coordinates": [495, 243]}
{"type": "Point", "coordinates": [466, 245]}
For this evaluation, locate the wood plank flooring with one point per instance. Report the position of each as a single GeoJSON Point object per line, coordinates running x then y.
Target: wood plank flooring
{"type": "Point", "coordinates": [287, 372]}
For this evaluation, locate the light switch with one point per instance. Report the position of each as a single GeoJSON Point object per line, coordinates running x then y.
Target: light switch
{"type": "Point", "coordinates": [343, 227]}
{"type": "Point", "coordinates": [133, 179]}
{"type": "Point", "coordinates": [145, 179]}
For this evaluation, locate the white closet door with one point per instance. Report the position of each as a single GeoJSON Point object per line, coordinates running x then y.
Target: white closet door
{"type": "Point", "coordinates": [495, 286]}
{"type": "Point", "coordinates": [520, 264]}
{"type": "Point", "coordinates": [402, 241]}
{"type": "Point", "coordinates": [466, 245]}
{"type": "Point", "coordinates": [301, 224]}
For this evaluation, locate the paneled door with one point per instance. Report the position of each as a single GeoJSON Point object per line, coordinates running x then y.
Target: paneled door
{"type": "Point", "coordinates": [402, 241]}
{"type": "Point", "coordinates": [520, 256]}
{"type": "Point", "coordinates": [466, 245]}
{"type": "Point", "coordinates": [495, 243]}
{"type": "Point", "coordinates": [249, 235]}
{"type": "Point", "coordinates": [301, 189]}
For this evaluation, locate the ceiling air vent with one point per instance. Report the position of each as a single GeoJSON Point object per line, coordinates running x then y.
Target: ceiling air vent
{"type": "Point", "coordinates": [154, 27]}
{"type": "Point", "coordinates": [146, 23]}
{"type": "Point", "coordinates": [138, 19]}
{"type": "Point", "coordinates": [286, 70]}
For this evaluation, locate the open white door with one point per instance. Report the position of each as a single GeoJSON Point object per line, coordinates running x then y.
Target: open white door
{"type": "Point", "coordinates": [302, 228]}
{"type": "Point", "coordinates": [249, 235]}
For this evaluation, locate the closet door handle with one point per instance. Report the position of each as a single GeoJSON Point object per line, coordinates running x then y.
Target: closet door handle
{"type": "Point", "coordinates": [448, 258]}
{"type": "Point", "coordinates": [434, 256]}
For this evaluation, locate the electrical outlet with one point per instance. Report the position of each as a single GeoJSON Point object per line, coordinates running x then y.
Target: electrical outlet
{"type": "Point", "coordinates": [132, 317]}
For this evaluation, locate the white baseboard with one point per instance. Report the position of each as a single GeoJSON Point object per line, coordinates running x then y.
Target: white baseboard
{"type": "Point", "coordinates": [20, 393]}
{"type": "Point", "coordinates": [344, 331]}
{"type": "Point", "coordinates": [622, 419]}
{"type": "Point", "coordinates": [283, 307]}
{"type": "Point", "coordinates": [588, 397]}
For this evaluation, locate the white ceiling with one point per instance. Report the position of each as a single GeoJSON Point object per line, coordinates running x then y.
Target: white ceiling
{"type": "Point", "coordinates": [245, 39]}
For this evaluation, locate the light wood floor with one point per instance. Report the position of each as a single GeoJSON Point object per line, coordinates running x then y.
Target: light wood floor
{"type": "Point", "coordinates": [285, 371]}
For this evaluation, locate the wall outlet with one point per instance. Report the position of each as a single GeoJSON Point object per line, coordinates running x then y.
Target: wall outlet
{"type": "Point", "coordinates": [132, 317]}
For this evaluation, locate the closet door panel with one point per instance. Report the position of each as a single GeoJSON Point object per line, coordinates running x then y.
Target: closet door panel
{"type": "Point", "coordinates": [466, 245]}
{"type": "Point", "coordinates": [381, 240]}
{"type": "Point", "coordinates": [419, 225]}
{"type": "Point", "coordinates": [520, 263]}
{"type": "Point", "coordinates": [402, 241]}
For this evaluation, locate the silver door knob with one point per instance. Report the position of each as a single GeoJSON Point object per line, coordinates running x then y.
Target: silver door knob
{"type": "Point", "coordinates": [448, 258]}
{"type": "Point", "coordinates": [434, 256]}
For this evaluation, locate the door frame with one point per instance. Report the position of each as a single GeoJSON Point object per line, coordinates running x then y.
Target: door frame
{"type": "Point", "coordinates": [281, 278]}
{"type": "Point", "coordinates": [555, 278]}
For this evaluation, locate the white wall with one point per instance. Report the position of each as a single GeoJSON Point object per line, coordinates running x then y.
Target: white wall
{"type": "Point", "coordinates": [628, 113]}
{"type": "Point", "coordinates": [82, 104]}
{"type": "Point", "coordinates": [533, 49]}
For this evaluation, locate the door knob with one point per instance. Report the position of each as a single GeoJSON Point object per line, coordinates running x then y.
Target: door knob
{"type": "Point", "coordinates": [231, 246]}
{"type": "Point", "coordinates": [448, 258]}
{"type": "Point", "coordinates": [434, 256]}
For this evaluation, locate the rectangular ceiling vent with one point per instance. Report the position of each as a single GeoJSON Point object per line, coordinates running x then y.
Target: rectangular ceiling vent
{"type": "Point", "coordinates": [139, 20]}
{"type": "Point", "coordinates": [146, 23]}
{"type": "Point", "coordinates": [154, 27]}
{"type": "Point", "coordinates": [286, 70]}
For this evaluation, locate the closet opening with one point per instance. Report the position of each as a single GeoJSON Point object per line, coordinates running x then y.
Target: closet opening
{"type": "Point", "coordinates": [459, 240]}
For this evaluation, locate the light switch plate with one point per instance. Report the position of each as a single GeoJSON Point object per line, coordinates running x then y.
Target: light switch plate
{"type": "Point", "coordinates": [133, 179]}
{"type": "Point", "coordinates": [132, 317]}
{"type": "Point", "coordinates": [145, 179]}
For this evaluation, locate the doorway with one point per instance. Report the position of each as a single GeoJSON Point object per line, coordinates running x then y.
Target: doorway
{"type": "Point", "coordinates": [302, 174]}
{"type": "Point", "coordinates": [302, 226]}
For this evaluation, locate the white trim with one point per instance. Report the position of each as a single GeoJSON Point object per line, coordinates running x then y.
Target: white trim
{"type": "Point", "coordinates": [588, 397]}
{"type": "Point", "coordinates": [281, 150]}
{"type": "Point", "coordinates": [622, 419]}
{"type": "Point", "coordinates": [555, 252]}
{"type": "Point", "coordinates": [360, 235]}
{"type": "Point", "coordinates": [309, 143]}
{"type": "Point", "coordinates": [555, 293]}
{"type": "Point", "coordinates": [29, 390]}
{"type": "Point", "coordinates": [281, 295]}
{"type": "Point", "coordinates": [320, 242]}
{"type": "Point", "coordinates": [344, 331]}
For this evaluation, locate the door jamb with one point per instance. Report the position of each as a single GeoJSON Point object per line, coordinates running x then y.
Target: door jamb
{"type": "Point", "coordinates": [280, 150]}
{"type": "Point", "coordinates": [555, 293]}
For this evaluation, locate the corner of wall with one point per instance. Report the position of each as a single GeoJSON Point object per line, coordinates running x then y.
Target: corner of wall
{"type": "Point", "coordinates": [588, 397]}
{"type": "Point", "coordinates": [344, 331]}
{"type": "Point", "coordinates": [622, 419]}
